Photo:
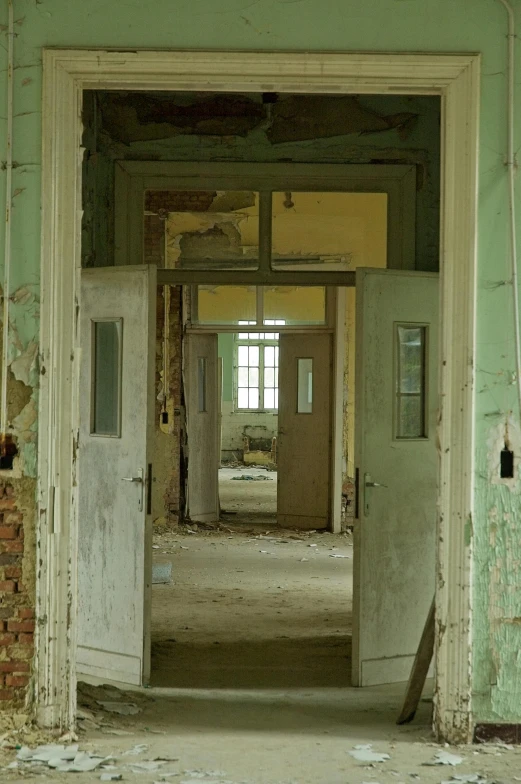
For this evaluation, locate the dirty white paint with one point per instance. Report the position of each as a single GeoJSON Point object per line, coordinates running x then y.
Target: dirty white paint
{"type": "Point", "coordinates": [395, 532]}
{"type": "Point", "coordinates": [114, 547]}
{"type": "Point", "coordinates": [304, 439]}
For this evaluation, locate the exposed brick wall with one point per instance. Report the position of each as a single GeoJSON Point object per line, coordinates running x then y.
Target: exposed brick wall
{"type": "Point", "coordinates": [169, 327]}
{"type": "Point", "coordinates": [173, 497]}
{"type": "Point", "coordinates": [16, 605]}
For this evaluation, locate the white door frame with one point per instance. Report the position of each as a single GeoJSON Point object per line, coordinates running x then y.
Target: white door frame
{"type": "Point", "coordinates": [66, 73]}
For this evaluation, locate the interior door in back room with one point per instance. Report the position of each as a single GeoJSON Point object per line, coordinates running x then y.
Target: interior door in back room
{"type": "Point", "coordinates": [304, 431]}
{"type": "Point", "coordinates": [202, 412]}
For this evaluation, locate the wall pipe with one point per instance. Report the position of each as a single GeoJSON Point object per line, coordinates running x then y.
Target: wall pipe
{"type": "Point", "coordinates": [8, 199]}
{"type": "Point", "coordinates": [511, 166]}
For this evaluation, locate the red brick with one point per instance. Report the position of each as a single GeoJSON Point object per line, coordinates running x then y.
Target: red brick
{"type": "Point", "coordinates": [13, 518]}
{"type": "Point", "coordinates": [6, 504]}
{"type": "Point", "coordinates": [14, 666]}
{"type": "Point", "coordinates": [13, 572]}
{"type": "Point", "coordinates": [7, 586]}
{"type": "Point", "coordinates": [6, 558]}
{"type": "Point", "coordinates": [26, 639]}
{"type": "Point", "coordinates": [6, 694]}
{"type": "Point", "coordinates": [14, 546]}
{"type": "Point", "coordinates": [7, 639]}
{"type": "Point", "coordinates": [19, 652]}
{"type": "Point", "coordinates": [16, 681]}
{"type": "Point", "coordinates": [8, 532]}
{"type": "Point", "coordinates": [25, 612]}
{"type": "Point", "coordinates": [20, 626]}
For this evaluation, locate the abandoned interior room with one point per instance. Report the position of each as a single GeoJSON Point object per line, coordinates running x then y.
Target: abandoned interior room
{"type": "Point", "coordinates": [260, 393]}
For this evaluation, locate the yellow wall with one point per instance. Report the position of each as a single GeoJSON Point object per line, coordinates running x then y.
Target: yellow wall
{"type": "Point", "coordinates": [349, 224]}
{"type": "Point", "coordinates": [349, 227]}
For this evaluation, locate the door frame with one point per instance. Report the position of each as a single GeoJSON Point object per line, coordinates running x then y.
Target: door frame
{"type": "Point", "coordinates": [66, 73]}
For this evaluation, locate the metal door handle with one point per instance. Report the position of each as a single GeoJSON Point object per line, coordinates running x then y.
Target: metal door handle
{"type": "Point", "coordinates": [368, 482]}
{"type": "Point", "coordinates": [137, 480]}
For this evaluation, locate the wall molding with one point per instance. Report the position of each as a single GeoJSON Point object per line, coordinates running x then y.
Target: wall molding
{"type": "Point", "coordinates": [66, 73]}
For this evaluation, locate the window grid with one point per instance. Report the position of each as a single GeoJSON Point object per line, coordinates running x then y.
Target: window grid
{"type": "Point", "coordinates": [257, 368]}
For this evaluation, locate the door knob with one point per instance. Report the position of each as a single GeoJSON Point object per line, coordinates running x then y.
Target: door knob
{"type": "Point", "coordinates": [132, 479]}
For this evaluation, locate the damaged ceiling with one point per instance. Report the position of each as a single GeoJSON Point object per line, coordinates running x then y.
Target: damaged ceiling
{"type": "Point", "coordinates": [131, 117]}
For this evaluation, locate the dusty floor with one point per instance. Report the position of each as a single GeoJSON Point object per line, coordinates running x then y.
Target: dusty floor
{"type": "Point", "coordinates": [245, 501]}
{"type": "Point", "coordinates": [251, 679]}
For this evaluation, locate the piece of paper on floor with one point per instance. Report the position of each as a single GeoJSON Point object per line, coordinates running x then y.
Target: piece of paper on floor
{"type": "Point", "coordinates": [366, 755]}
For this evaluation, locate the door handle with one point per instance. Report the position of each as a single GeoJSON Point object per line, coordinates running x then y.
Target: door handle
{"type": "Point", "coordinates": [137, 480]}
{"type": "Point", "coordinates": [368, 482]}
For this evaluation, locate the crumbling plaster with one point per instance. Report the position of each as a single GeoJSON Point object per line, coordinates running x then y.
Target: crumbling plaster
{"type": "Point", "coordinates": [383, 25]}
{"type": "Point", "coordinates": [368, 129]}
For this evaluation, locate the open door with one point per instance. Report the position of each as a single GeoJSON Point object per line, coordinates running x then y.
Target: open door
{"type": "Point", "coordinates": [202, 423]}
{"type": "Point", "coordinates": [118, 326]}
{"type": "Point", "coordinates": [397, 468]}
{"type": "Point", "coordinates": [304, 431]}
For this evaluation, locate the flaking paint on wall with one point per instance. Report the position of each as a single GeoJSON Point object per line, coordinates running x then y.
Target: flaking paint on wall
{"type": "Point", "coordinates": [426, 25]}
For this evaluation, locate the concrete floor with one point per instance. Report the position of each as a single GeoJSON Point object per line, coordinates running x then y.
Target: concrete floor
{"type": "Point", "coordinates": [251, 671]}
{"type": "Point", "coordinates": [250, 685]}
{"type": "Point", "coordinates": [248, 501]}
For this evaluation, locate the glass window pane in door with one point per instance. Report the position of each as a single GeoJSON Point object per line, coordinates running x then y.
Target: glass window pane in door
{"type": "Point", "coordinates": [305, 385]}
{"type": "Point", "coordinates": [410, 372]}
{"type": "Point", "coordinates": [106, 377]}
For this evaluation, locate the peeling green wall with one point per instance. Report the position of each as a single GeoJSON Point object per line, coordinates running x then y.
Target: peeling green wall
{"type": "Point", "coordinates": [382, 25]}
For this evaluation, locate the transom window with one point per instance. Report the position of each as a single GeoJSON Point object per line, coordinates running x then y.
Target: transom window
{"type": "Point", "coordinates": [257, 368]}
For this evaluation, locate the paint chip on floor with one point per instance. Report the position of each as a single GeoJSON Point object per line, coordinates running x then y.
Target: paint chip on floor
{"type": "Point", "coordinates": [445, 758]}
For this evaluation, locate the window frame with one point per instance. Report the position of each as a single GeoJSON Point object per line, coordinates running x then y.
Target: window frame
{"type": "Point", "coordinates": [262, 343]}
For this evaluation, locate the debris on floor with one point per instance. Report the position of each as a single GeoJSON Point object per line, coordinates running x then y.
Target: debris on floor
{"type": "Point", "coordinates": [445, 758]}
{"type": "Point", "coordinates": [250, 478]}
{"type": "Point", "coordinates": [161, 572]}
{"type": "Point", "coordinates": [123, 708]}
{"type": "Point", "coordinates": [63, 759]}
{"type": "Point", "coordinates": [365, 753]}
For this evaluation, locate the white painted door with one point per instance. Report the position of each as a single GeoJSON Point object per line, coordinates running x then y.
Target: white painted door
{"type": "Point", "coordinates": [202, 424]}
{"type": "Point", "coordinates": [304, 431]}
{"type": "Point", "coordinates": [118, 327]}
{"type": "Point", "coordinates": [396, 406]}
